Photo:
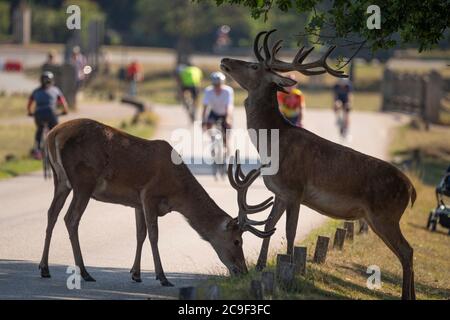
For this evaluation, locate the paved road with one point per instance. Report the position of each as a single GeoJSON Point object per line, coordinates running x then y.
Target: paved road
{"type": "Point", "coordinates": [107, 231]}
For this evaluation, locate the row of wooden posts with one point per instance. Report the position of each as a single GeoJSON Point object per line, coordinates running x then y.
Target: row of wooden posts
{"type": "Point", "coordinates": [287, 267]}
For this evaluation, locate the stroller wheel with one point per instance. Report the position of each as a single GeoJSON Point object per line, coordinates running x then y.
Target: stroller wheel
{"type": "Point", "coordinates": [433, 226]}
{"type": "Point", "coordinates": [430, 217]}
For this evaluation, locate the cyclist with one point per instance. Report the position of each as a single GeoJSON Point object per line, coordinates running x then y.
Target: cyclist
{"type": "Point", "coordinates": [46, 99]}
{"type": "Point", "coordinates": [189, 80]}
{"type": "Point", "coordinates": [292, 104]}
{"type": "Point", "coordinates": [343, 99]}
{"type": "Point", "coordinates": [218, 104]}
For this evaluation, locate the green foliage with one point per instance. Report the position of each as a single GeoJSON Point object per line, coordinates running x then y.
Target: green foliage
{"type": "Point", "coordinates": [4, 18]}
{"type": "Point", "coordinates": [49, 22]}
{"type": "Point", "coordinates": [419, 22]}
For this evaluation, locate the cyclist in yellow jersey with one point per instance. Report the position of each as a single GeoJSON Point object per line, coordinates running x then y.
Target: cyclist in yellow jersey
{"type": "Point", "coordinates": [190, 80]}
{"type": "Point", "coordinates": [292, 105]}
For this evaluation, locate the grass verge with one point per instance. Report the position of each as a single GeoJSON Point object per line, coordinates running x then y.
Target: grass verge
{"type": "Point", "coordinates": [344, 275]}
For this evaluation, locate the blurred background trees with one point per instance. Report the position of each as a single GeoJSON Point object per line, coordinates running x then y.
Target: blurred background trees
{"type": "Point", "coordinates": [193, 25]}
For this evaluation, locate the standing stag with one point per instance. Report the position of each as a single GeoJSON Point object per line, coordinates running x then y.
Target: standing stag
{"type": "Point", "coordinates": [332, 179]}
{"type": "Point", "coordinates": [100, 162]}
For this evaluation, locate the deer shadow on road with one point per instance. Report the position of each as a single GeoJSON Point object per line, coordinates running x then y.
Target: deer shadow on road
{"type": "Point", "coordinates": [21, 280]}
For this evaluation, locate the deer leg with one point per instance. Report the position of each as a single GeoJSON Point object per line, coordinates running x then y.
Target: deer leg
{"type": "Point", "coordinates": [151, 219]}
{"type": "Point", "coordinates": [72, 219]}
{"type": "Point", "coordinates": [292, 213]}
{"type": "Point", "coordinates": [275, 215]}
{"type": "Point", "coordinates": [392, 236]}
{"type": "Point", "coordinates": [141, 233]}
{"type": "Point", "coordinates": [59, 198]}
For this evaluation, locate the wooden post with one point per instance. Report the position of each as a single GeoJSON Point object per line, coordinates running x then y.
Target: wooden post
{"type": "Point", "coordinates": [213, 293]}
{"type": "Point", "coordinates": [285, 274]}
{"type": "Point", "coordinates": [188, 293]}
{"type": "Point", "coordinates": [283, 258]}
{"type": "Point", "coordinates": [363, 226]}
{"type": "Point", "coordinates": [268, 281]}
{"type": "Point", "coordinates": [339, 238]}
{"type": "Point", "coordinates": [256, 290]}
{"type": "Point", "coordinates": [300, 254]}
{"type": "Point", "coordinates": [320, 255]}
{"type": "Point", "coordinates": [350, 227]}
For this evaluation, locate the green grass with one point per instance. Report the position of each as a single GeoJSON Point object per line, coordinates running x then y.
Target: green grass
{"type": "Point", "coordinates": [12, 106]}
{"type": "Point", "coordinates": [343, 276]}
{"type": "Point", "coordinates": [18, 167]}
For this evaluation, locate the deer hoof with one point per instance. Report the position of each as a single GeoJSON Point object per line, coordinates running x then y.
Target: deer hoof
{"type": "Point", "coordinates": [45, 272]}
{"type": "Point", "coordinates": [86, 277]}
{"type": "Point", "coordinates": [136, 278]}
{"type": "Point", "coordinates": [166, 283]}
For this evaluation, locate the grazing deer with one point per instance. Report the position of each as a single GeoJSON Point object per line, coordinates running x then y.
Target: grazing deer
{"type": "Point", "coordinates": [332, 179]}
{"type": "Point", "coordinates": [100, 162]}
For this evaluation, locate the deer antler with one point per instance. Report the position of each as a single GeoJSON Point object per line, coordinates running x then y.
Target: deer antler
{"type": "Point", "coordinates": [321, 66]}
{"type": "Point", "coordinates": [241, 183]}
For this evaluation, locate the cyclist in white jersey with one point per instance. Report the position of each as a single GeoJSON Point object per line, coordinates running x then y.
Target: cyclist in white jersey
{"type": "Point", "coordinates": [218, 104]}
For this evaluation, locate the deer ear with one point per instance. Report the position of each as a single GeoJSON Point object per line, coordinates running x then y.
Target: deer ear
{"type": "Point", "coordinates": [283, 82]}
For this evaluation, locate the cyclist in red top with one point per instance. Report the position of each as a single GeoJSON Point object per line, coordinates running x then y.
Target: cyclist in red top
{"type": "Point", "coordinates": [292, 104]}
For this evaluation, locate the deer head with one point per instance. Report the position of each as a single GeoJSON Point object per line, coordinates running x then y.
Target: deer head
{"type": "Point", "coordinates": [263, 73]}
{"type": "Point", "coordinates": [230, 249]}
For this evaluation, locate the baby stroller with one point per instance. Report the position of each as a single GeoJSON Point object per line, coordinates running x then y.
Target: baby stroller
{"type": "Point", "coordinates": [441, 214]}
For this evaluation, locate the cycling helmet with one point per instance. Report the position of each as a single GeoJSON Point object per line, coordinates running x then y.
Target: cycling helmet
{"type": "Point", "coordinates": [218, 78]}
{"type": "Point", "coordinates": [47, 77]}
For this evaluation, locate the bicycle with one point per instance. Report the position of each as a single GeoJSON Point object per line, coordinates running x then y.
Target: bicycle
{"type": "Point", "coordinates": [218, 148]}
{"type": "Point", "coordinates": [340, 120]}
{"type": "Point", "coordinates": [188, 103]}
{"type": "Point", "coordinates": [46, 166]}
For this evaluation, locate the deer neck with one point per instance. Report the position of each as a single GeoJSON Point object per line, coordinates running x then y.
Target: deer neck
{"type": "Point", "coordinates": [262, 110]}
{"type": "Point", "coordinates": [201, 212]}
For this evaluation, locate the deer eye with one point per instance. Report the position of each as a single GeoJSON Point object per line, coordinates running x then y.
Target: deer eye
{"type": "Point", "coordinates": [254, 66]}
{"type": "Point", "coordinates": [237, 243]}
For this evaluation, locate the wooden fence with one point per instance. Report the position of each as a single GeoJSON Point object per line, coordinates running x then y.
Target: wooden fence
{"type": "Point", "coordinates": [418, 94]}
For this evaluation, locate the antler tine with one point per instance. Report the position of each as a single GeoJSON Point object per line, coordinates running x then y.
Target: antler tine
{"type": "Point", "coordinates": [298, 65]}
{"type": "Point", "coordinates": [258, 208]}
{"type": "Point", "coordinates": [257, 223]}
{"type": "Point", "coordinates": [230, 176]}
{"type": "Point", "coordinates": [258, 233]}
{"type": "Point", "coordinates": [299, 54]}
{"type": "Point", "coordinates": [266, 44]}
{"type": "Point", "coordinates": [336, 73]}
{"type": "Point", "coordinates": [256, 47]}
{"type": "Point", "coordinates": [303, 56]}
{"type": "Point", "coordinates": [276, 48]}
{"type": "Point", "coordinates": [241, 183]}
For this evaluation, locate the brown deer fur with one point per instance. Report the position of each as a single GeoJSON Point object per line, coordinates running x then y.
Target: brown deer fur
{"type": "Point", "coordinates": [100, 162]}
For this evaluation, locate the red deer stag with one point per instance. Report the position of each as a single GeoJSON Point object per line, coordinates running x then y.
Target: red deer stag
{"type": "Point", "coordinates": [100, 162]}
{"type": "Point", "coordinates": [332, 179]}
